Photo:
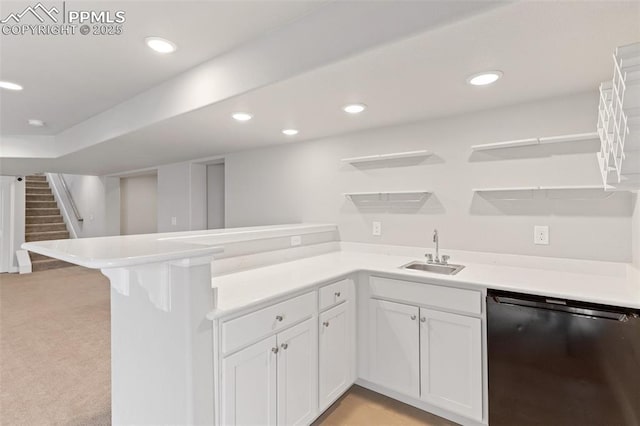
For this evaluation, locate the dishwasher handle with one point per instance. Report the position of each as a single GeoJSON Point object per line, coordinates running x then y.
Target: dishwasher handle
{"type": "Point", "coordinates": [560, 305]}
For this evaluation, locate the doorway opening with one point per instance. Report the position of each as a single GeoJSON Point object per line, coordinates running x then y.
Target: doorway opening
{"type": "Point", "coordinates": [215, 195]}
{"type": "Point", "coordinates": [139, 204]}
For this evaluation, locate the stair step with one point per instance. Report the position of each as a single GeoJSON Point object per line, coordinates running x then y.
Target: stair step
{"type": "Point", "coordinates": [31, 220]}
{"type": "Point", "coordinates": [42, 204]}
{"type": "Point", "coordinates": [38, 191]}
{"type": "Point", "coordinates": [35, 256]}
{"type": "Point", "coordinates": [40, 197]}
{"type": "Point", "coordinates": [46, 236]}
{"type": "Point", "coordinates": [42, 212]}
{"type": "Point", "coordinates": [36, 178]}
{"type": "Point", "coordinates": [37, 184]}
{"type": "Point", "coordinates": [46, 227]}
{"type": "Point", "coordinates": [45, 264]}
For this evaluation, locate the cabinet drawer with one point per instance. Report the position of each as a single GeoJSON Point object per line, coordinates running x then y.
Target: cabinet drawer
{"type": "Point", "coordinates": [437, 296]}
{"type": "Point", "coordinates": [332, 294]}
{"type": "Point", "coordinates": [256, 325]}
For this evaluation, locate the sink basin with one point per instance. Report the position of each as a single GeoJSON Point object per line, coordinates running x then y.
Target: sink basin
{"type": "Point", "coordinates": [435, 268]}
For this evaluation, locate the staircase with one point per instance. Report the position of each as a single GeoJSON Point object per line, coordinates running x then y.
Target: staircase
{"type": "Point", "coordinates": [43, 221]}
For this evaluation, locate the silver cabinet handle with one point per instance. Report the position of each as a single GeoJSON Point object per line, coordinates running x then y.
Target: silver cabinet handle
{"type": "Point", "coordinates": [274, 350]}
{"type": "Point", "coordinates": [279, 318]}
{"type": "Point", "coordinates": [413, 317]}
{"type": "Point", "coordinates": [337, 293]}
{"type": "Point", "coordinates": [326, 323]}
{"type": "Point", "coordinates": [423, 319]}
{"type": "Point", "coordinates": [284, 346]}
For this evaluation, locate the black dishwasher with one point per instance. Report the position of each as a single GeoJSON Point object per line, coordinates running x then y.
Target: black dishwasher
{"type": "Point", "coordinates": [560, 362]}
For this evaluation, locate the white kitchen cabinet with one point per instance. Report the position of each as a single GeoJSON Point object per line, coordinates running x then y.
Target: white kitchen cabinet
{"type": "Point", "coordinates": [297, 374]}
{"type": "Point", "coordinates": [249, 387]}
{"type": "Point", "coordinates": [394, 358]}
{"type": "Point", "coordinates": [451, 362]}
{"type": "Point", "coordinates": [336, 355]}
{"type": "Point", "coordinates": [274, 381]}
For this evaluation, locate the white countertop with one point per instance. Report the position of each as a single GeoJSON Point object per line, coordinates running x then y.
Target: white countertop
{"type": "Point", "coordinates": [129, 250]}
{"type": "Point", "coordinates": [608, 283]}
{"type": "Point", "coordinates": [117, 252]}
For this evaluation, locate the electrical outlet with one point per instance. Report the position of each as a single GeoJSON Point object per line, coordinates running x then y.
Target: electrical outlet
{"type": "Point", "coordinates": [377, 228]}
{"type": "Point", "coordinates": [541, 235]}
{"type": "Point", "coordinates": [296, 240]}
{"type": "Point", "coordinates": [174, 221]}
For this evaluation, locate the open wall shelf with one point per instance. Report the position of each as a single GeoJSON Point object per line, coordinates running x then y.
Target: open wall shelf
{"type": "Point", "coordinates": [385, 157]}
{"type": "Point", "coordinates": [574, 137]}
{"type": "Point", "coordinates": [409, 199]}
{"type": "Point", "coordinates": [567, 192]}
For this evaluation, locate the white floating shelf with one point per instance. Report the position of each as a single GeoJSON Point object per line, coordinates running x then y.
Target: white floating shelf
{"type": "Point", "coordinates": [517, 188]}
{"type": "Point", "coordinates": [357, 194]}
{"type": "Point", "coordinates": [575, 137]}
{"type": "Point", "coordinates": [587, 191]}
{"type": "Point", "coordinates": [391, 156]}
{"type": "Point", "coordinates": [506, 144]}
{"type": "Point", "coordinates": [405, 198]}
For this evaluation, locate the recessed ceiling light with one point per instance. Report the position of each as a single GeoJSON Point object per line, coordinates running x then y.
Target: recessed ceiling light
{"type": "Point", "coordinates": [354, 108]}
{"type": "Point", "coordinates": [161, 45]}
{"type": "Point", "coordinates": [36, 123]}
{"type": "Point", "coordinates": [242, 116]}
{"type": "Point", "coordinates": [290, 132]}
{"type": "Point", "coordinates": [484, 78]}
{"type": "Point", "coordinates": [9, 85]}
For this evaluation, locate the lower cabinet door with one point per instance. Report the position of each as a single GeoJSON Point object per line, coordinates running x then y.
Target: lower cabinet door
{"type": "Point", "coordinates": [451, 362]}
{"type": "Point", "coordinates": [298, 374]}
{"type": "Point", "coordinates": [248, 387]}
{"type": "Point", "coordinates": [394, 359]}
{"type": "Point", "coordinates": [336, 359]}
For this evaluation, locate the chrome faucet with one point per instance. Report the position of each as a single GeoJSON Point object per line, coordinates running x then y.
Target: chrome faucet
{"type": "Point", "coordinates": [437, 241]}
{"type": "Point", "coordinates": [437, 260]}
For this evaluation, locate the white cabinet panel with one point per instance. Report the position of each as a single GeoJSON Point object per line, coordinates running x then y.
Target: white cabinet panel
{"type": "Point", "coordinates": [437, 296]}
{"type": "Point", "coordinates": [298, 374]}
{"type": "Point", "coordinates": [336, 355]}
{"type": "Point", "coordinates": [394, 346]}
{"type": "Point", "coordinates": [248, 389]}
{"type": "Point", "coordinates": [333, 294]}
{"type": "Point", "coordinates": [451, 361]}
{"type": "Point", "coordinates": [259, 324]}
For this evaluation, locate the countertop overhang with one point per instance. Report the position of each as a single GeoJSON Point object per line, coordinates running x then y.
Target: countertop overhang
{"type": "Point", "coordinates": [132, 250]}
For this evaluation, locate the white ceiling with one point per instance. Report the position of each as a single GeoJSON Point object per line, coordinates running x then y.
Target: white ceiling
{"type": "Point", "coordinates": [69, 79]}
{"type": "Point", "coordinates": [545, 49]}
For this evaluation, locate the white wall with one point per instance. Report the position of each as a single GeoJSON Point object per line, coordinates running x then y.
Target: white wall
{"type": "Point", "coordinates": [138, 204]}
{"type": "Point", "coordinates": [306, 182]}
{"type": "Point", "coordinates": [215, 196]}
{"type": "Point", "coordinates": [12, 221]}
{"type": "Point", "coordinates": [635, 231]}
{"type": "Point", "coordinates": [182, 196]}
{"type": "Point", "coordinates": [98, 202]}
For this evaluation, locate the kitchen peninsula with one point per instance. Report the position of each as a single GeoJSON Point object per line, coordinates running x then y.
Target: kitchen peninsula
{"type": "Point", "coordinates": [281, 331]}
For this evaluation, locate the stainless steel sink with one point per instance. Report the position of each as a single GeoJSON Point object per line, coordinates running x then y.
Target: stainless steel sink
{"type": "Point", "coordinates": [435, 268]}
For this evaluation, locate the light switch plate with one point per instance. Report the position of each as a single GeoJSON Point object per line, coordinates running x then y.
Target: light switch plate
{"type": "Point", "coordinates": [296, 240]}
{"type": "Point", "coordinates": [541, 235]}
{"type": "Point", "coordinates": [174, 221]}
{"type": "Point", "coordinates": [377, 228]}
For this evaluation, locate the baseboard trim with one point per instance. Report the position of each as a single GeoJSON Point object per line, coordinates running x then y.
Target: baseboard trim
{"type": "Point", "coordinates": [421, 405]}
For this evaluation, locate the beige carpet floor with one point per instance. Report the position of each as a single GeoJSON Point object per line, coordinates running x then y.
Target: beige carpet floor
{"type": "Point", "coordinates": [55, 358]}
{"type": "Point", "coordinates": [55, 348]}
